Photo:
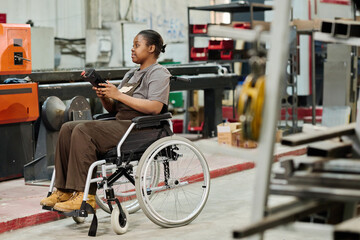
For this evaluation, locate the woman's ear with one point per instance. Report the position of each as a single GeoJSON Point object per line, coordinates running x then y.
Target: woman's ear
{"type": "Point", "coordinates": [152, 48]}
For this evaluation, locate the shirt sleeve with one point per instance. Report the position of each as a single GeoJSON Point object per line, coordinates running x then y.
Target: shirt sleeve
{"type": "Point", "coordinates": [159, 87]}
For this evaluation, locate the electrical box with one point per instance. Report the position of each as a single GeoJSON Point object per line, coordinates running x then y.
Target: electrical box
{"type": "Point", "coordinates": [15, 49]}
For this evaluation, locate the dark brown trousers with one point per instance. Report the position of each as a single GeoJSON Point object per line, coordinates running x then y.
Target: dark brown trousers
{"type": "Point", "coordinates": [77, 148]}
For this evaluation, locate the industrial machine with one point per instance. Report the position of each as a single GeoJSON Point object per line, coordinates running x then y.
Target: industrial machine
{"type": "Point", "coordinates": [19, 102]}
{"type": "Point", "coordinates": [54, 112]}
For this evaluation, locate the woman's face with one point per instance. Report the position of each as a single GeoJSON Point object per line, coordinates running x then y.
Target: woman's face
{"type": "Point", "coordinates": [140, 51]}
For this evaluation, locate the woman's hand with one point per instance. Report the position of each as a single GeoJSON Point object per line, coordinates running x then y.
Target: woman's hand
{"type": "Point", "coordinates": [106, 93]}
{"type": "Point", "coordinates": [98, 92]}
{"type": "Point", "coordinates": [107, 90]}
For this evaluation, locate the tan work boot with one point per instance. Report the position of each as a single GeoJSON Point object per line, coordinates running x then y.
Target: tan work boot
{"type": "Point", "coordinates": [56, 197]}
{"type": "Point", "coordinates": [74, 203]}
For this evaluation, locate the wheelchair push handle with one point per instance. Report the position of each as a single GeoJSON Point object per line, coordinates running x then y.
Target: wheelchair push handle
{"type": "Point", "coordinates": [180, 79]}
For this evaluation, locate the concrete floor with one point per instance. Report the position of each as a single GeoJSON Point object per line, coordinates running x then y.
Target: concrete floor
{"type": "Point", "coordinates": [228, 208]}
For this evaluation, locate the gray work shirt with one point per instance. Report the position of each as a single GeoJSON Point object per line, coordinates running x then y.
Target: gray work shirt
{"type": "Point", "coordinates": [155, 84]}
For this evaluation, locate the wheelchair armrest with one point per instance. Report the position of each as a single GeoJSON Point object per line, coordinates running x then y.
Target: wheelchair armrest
{"type": "Point", "coordinates": [150, 120]}
{"type": "Point", "coordinates": [104, 116]}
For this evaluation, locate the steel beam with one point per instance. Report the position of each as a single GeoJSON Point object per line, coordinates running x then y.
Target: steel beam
{"type": "Point", "coordinates": [280, 218]}
{"type": "Point", "coordinates": [348, 229]}
{"type": "Point", "coordinates": [117, 74]}
{"type": "Point", "coordinates": [303, 138]}
{"type": "Point", "coordinates": [339, 165]}
{"type": "Point", "coordinates": [325, 179]}
{"type": "Point", "coordinates": [329, 149]}
{"type": "Point", "coordinates": [316, 192]}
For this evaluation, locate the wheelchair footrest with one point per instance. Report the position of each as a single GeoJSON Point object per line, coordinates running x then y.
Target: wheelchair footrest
{"type": "Point", "coordinates": [76, 213]}
{"type": "Point", "coordinates": [84, 211]}
{"type": "Point", "coordinates": [48, 208]}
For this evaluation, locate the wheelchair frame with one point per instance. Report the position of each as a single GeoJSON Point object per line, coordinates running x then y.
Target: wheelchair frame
{"type": "Point", "coordinates": [121, 167]}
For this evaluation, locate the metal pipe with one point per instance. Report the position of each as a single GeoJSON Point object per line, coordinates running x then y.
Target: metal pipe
{"type": "Point", "coordinates": [123, 138]}
{"type": "Point", "coordinates": [52, 181]}
{"type": "Point", "coordinates": [278, 56]}
{"type": "Point", "coordinates": [89, 176]}
{"type": "Point", "coordinates": [313, 82]}
{"type": "Point", "coordinates": [241, 34]}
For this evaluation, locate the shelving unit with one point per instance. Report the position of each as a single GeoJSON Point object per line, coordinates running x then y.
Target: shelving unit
{"type": "Point", "coordinates": [234, 7]}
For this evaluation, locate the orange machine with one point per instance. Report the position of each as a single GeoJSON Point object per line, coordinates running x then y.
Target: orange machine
{"type": "Point", "coordinates": [19, 103]}
{"type": "Point", "coordinates": [15, 49]}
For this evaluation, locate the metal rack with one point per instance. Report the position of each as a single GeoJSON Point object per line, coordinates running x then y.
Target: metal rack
{"type": "Point", "coordinates": [234, 7]}
{"type": "Point", "coordinates": [289, 101]}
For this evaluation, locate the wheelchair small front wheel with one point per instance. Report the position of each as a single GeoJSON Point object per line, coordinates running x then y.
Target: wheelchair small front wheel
{"type": "Point", "coordinates": [79, 220]}
{"type": "Point", "coordinates": [119, 220]}
{"type": "Point", "coordinates": [183, 187]}
{"type": "Point", "coordinates": [124, 190]}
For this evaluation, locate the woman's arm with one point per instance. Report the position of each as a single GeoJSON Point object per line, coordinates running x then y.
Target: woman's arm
{"type": "Point", "coordinates": [142, 105]}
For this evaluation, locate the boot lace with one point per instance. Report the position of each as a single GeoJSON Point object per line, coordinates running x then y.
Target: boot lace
{"type": "Point", "coordinates": [76, 196]}
{"type": "Point", "coordinates": [58, 193]}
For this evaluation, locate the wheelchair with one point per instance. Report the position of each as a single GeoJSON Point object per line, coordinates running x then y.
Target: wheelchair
{"type": "Point", "coordinates": [151, 169]}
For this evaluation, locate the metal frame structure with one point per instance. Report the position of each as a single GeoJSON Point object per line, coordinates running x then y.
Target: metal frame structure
{"type": "Point", "coordinates": [318, 197]}
{"type": "Point", "coordinates": [213, 85]}
{"type": "Point", "coordinates": [212, 78]}
{"type": "Point", "coordinates": [278, 56]}
{"type": "Point", "coordinates": [71, 76]}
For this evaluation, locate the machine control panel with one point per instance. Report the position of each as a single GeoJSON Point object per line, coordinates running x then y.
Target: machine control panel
{"type": "Point", "coordinates": [15, 49]}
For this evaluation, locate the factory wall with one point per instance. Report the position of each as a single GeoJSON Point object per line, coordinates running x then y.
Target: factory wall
{"type": "Point", "coordinates": [70, 21]}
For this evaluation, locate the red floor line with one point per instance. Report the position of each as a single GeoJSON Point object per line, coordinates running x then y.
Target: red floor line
{"type": "Point", "coordinates": [249, 165]}
{"type": "Point", "coordinates": [29, 221]}
{"type": "Point", "coordinates": [231, 169]}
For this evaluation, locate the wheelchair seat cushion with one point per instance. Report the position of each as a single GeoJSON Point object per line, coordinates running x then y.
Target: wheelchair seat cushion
{"type": "Point", "coordinates": [138, 141]}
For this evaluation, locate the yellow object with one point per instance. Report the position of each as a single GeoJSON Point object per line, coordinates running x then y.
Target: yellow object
{"type": "Point", "coordinates": [74, 203]}
{"type": "Point", "coordinates": [250, 106]}
{"type": "Point", "coordinates": [56, 197]}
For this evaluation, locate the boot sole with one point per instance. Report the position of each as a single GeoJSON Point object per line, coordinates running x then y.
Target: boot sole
{"type": "Point", "coordinates": [68, 210]}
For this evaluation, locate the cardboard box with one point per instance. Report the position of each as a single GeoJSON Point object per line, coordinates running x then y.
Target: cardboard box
{"type": "Point", "coordinates": [265, 25]}
{"type": "Point", "coordinates": [236, 138]}
{"type": "Point", "coordinates": [279, 135]}
{"type": "Point", "coordinates": [229, 133]}
{"type": "Point", "coordinates": [306, 25]}
{"type": "Point", "coordinates": [248, 144]}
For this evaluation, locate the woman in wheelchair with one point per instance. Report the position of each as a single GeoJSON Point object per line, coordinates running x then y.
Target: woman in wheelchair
{"type": "Point", "coordinates": [143, 91]}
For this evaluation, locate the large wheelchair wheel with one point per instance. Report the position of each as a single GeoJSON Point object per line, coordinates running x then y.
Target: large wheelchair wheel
{"type": "Point", "coordinates": [125, 191]}
{"type": "Point", "coordinates": [184, 182]}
